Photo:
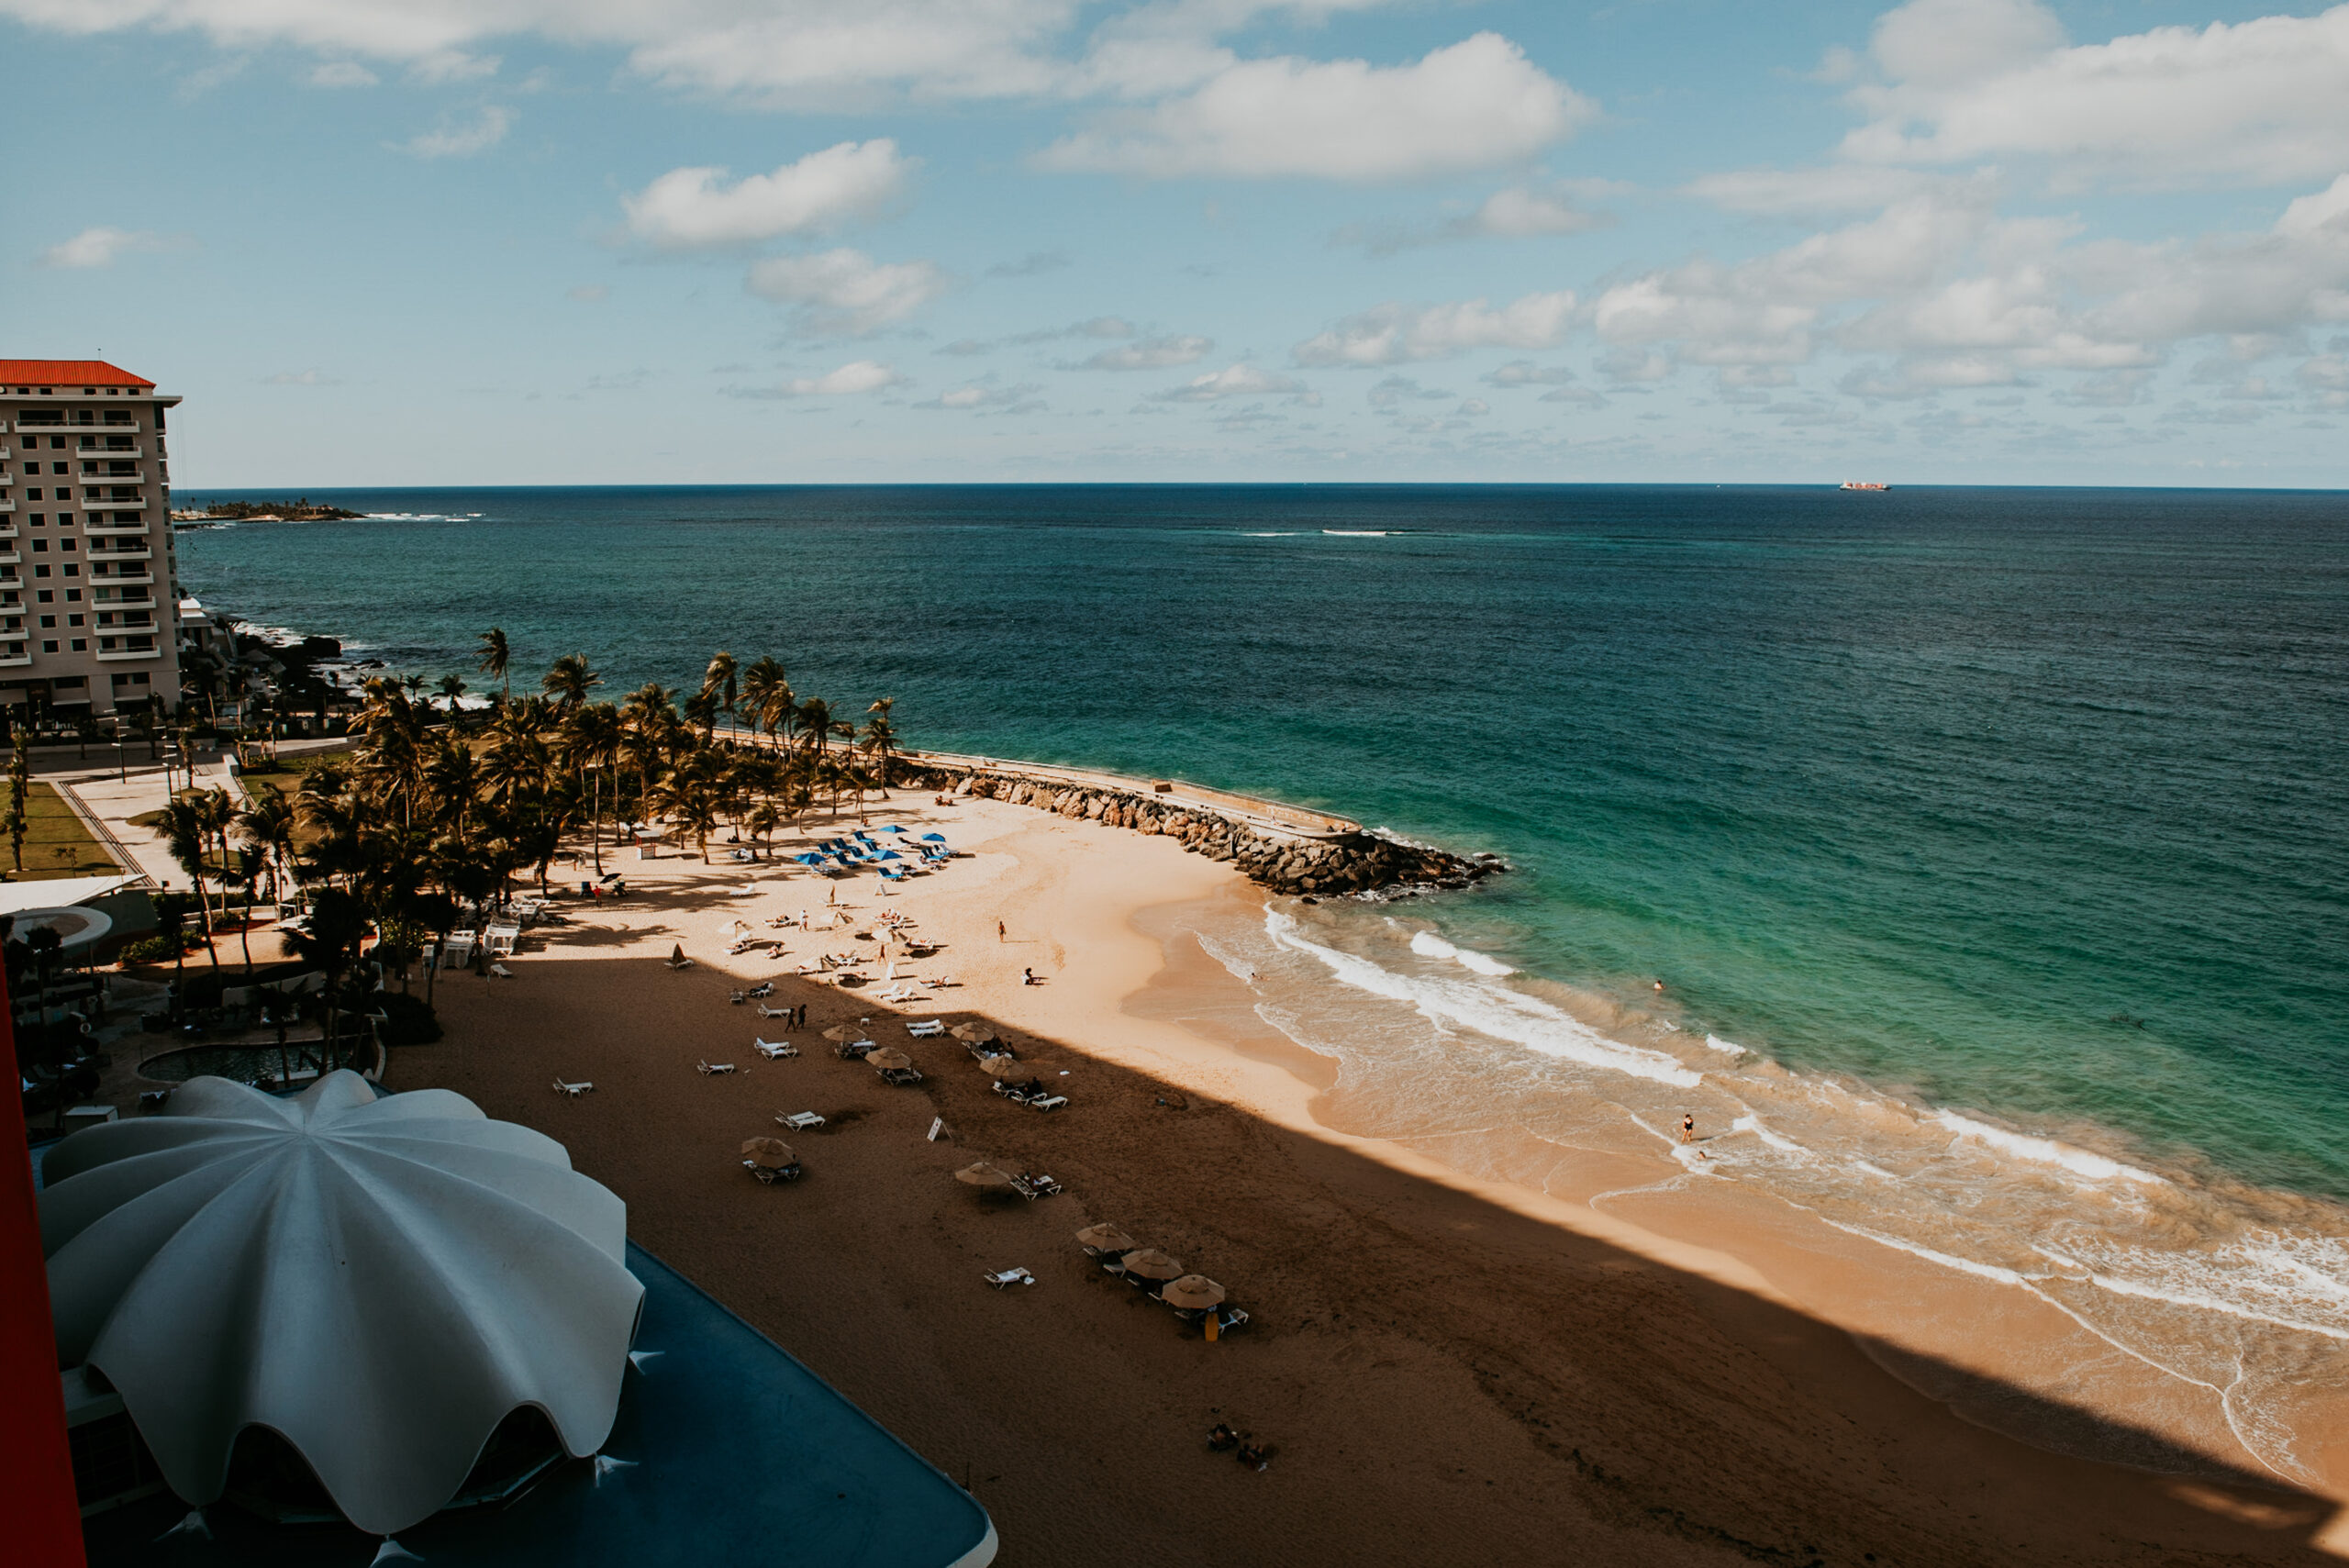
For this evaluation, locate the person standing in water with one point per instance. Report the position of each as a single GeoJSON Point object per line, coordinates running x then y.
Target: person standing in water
{"type": "Point", "coordinates": [1689, 1130]}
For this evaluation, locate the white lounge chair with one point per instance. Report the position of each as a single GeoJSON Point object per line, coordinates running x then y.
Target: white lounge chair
{"type": "Point", "coordinates": [573, 1090]}
{"type": "Point", "coordinates": [926, 1029]}
{"type": "Point", "coordinates": [713, 1069]}
{"type": "Point", "coordinates": [501, 972]}
{"type": "Point", "coordinates": [767, 1012]}
{"type": "Point", "coordinates": [801, 1121]}
{"type": "Point", "coordinates": [1049, 1103]}
{"type": "Point", "coordinates": [1009, 1276]}
{"type": "Point", "coordinates": [501, 938]}
{"type": "Point", "coordinates": [774, 1049]}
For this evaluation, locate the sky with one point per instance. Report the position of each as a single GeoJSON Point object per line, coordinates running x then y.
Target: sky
{"type": "Point", "coordinates": [384, 243]}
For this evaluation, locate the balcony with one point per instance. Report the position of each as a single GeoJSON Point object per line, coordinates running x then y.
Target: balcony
{"type": "Point", "coordinates": [105, 603]}
{"type": "Point", "coordinates": [112, 530]}
{"type": "Point", "coordinates": [140, 554]}
{"type": "Point", "coordinates": [129, 449]}
{"type": "Point", "coordinates": [7, 502]}
{"type": "Point", "coordinates": [116, 655]}
{"type": "Point", "coordinates": [13, 656]}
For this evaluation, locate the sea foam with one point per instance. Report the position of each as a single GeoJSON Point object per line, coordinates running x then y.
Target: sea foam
{"type": "Point", "coordinates": [2042, 1151]}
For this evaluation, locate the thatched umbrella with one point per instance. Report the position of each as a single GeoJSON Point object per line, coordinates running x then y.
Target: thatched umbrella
{"type": "Point", "coordinates": [974, 1034]}
{"type": "Point", "coordinates": [1193, 1291]}
{"type": "Point", "coordinates": [773, 1154]}
{"type": "Point", "coordinates": [887, 1058]}
{"type": "Point", "coordinates": [1106, 1237]}
{"type": "Point", "coordinates": [845, 1032]}
{"type": "Point", "coordinates": [983, 1175]}
{"type": "Point", "coordinates": [1152, 1263]}
{"type": "Point", "coordinates": [1004, 1067]}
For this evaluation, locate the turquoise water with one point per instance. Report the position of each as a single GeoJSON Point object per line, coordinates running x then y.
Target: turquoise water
{"type": "Point", "coordinates": [2028, 803]}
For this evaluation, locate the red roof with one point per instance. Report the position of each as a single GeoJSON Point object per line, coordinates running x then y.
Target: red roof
{"type": "Point", "coordinates": [67, 372]}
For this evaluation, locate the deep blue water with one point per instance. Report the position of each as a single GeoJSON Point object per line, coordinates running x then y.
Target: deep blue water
{"type": "Point", "coordinates": [1943, 789]}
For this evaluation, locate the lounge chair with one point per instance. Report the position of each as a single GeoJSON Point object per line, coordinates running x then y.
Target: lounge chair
{"type": "Point", "coordinates": [767, 1012]}
{"type": "Point", "coordinates": [501, 939]}
{"type": "Point", "coordinates": [573, 1090]}
{"type": "Point", "coordinates": [1031, 1187]}
{"type": "Point", "coordinates": [926, 1029]}
{"type": "Point", "coordinates": [770, 1176]}
{"type": "Point", "coordinates": [1009, 1276]}
{"type": "Point", "coordinates": [849, 1048]}
{"type": "Point", "coordinates": [904, 1077]}
{"type": "Point", "coordinates": [800, 1121]}
{"type": "Point", "coordinates": [1046, 1102]}
{"type": "Point", "coordinates": [774, 1049]}
{"type": "Point", "coordinates": [713, 1069]}
{"type": "Point", "coordinates": [501, 972]}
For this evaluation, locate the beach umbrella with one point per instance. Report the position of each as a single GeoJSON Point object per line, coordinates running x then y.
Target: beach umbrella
{"type": "Point", "coordinates": [773, 1154]}
{"type": "Point", "coordinates": [844, 1033]}
{"type": "Point", "coordinates": [888, 855]}
{"type": "Point", "coordinates": [1191, 1291]}
{"type": "Point", "coordinates": [1106, 1237]}
{"type": "Point", "coordinates": [1152, 1263]}
{"type": "Point", "coordinates": [933, 838]}
{"type": "Point", "coordinates": [889, 1058]}
{"type": "Point", "coordinates": [974, 1034]}
{"type": "Point", "coordinates": [1002, 1067]}
{"type": "Point", "coordinates": [678, 952]}
{"type": "Point", "coordinates": [809, 859]}
{"type": "Point", "coordinates": [983, 1175]}
{"type": "Point", "coordinates": [893, 829]}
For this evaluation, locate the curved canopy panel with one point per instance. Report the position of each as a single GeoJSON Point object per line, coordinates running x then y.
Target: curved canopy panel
{"type": "Point", "coordinates": [380, 1281]}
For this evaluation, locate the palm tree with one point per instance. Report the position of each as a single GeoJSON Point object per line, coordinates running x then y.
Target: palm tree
{"type": "Point", "coordinates": [338, 925]}
{"type": "Point", "coordinates": [719, 687]}
{"type": "Point", "coordinates": [494, 658]}
{"type": "Point", "coordinates": [184, 837]}
{"type": "Point", "coordinates": [592, 743]}
{"type": "Point", "coordinates": [452, 687]}
{"type": "Point", "coordinates": [569, 679]}
{"type": "Point", "coordinates": [760, 683]}
{"type": "Point", "coordinates": [268, 826]}
{"type": "Point", "coordinates": [218, 812]}
{"type": "Point", "coordinates": [879, 743]}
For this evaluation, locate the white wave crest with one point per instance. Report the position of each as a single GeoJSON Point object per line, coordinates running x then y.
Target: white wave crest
{"type": "Point", "coordinates": [1726, 1047]}
{"type": "Point", "coordinates": [1429, 945]}
{"type": "Point", "coordinates": [2044, 1150]}
{"type": "Point", "coordinates": [1493, 1010]}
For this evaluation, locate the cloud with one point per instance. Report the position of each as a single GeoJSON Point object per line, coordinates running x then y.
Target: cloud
{"type": "Point", "coordinates": [2266, 100]}
{"type": "Point", "coordinates": [1149, 355]}
{"type": "Point", "coordinates": [1519, 212]}
{"type": "Point", "coordinates": [589, 293]}
{"type": "Point", "coordinates": [1837, 187]}
{"type": "Point", "coordinates": [1525, 372]}
{"type": "Point", "coordinates": [846, 292]}
{"type": "Point", "coordinates": [980, 398]}
{"type": "Point", "coordinates": [1397, 390]}
{"type": "Point", "coordinates": [1392, 334]}
{"type": "Point", "coordinates": [854, 379]}
{"type": "Point", "coordinates": [341, 74]}
{"type": "Point", "coordinates": [453, 139]}
{"type": "Point", "coordinates": [688, 209]}
{"type": "Point", "coordinates": [1478, 103]}
{"type": "Point", "coordinates": [99, 247]}
{"type": "Point", "coordinates": [1242, 380]}
{"type": "Point", "coordinates": [1034, 264]}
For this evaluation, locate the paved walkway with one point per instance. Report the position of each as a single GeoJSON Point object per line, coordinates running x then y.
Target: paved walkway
{"type": "Point", "coordinates": [107, 799]}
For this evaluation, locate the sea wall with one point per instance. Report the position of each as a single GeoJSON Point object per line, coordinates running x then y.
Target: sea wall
{"type": "Point", "coordinates": [1314, 865]}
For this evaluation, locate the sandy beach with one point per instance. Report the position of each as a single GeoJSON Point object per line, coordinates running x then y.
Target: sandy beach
{"type": "Point", "coordinates": [1449, 1370]}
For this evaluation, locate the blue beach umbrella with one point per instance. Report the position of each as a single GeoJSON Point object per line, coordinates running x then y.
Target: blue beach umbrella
{"type": "Point", "coordinates": [933, 838]}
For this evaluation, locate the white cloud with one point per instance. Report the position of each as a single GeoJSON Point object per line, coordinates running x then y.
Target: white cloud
{"type": "Point", "coordinates": [1392, 333]}
{"type": "Point", "coordinates": [1397, 390]}
{"type": "Point", "coordinates": [854, 379]}
{"type": "Point", "coordinates": [341, 74]}
{"type": "Point", "coordinates": [1517, 212]}
{"type": "Point", "coordinates": [1473, 407]}
{"type": "Point", "coordinates": [1149, 355]}
{"type": "Point", "coordinates": [1525, 372]}
{"type": "Point", "coordinates": [99, 247]}
{"type": "Point", "coordinates": [2266, 100]}
{"type": "Point", "coordinates": [982, 397]}
{"type": "Point", "coordinates": [1242, 380]}
{"type": "Point", "coordinates": [846, 292]}
{"type": "Point", "coordinates": [452, 139]}
{"type": "Point", "coordinates": [1837, 187]}
{"type": "Point", "coordinates": [589, 293]}
{"type": "Point", "coordinates": [1476, 104]}
{"type": "Point", "coordinates": [689, 209]}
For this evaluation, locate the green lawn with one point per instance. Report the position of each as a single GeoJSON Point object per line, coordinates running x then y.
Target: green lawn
{"type": "Point", "coordinates": [56, 844]}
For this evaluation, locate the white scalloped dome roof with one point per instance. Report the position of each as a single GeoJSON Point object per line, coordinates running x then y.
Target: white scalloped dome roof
{"type": "Point", "coordinates": [380, 1281]}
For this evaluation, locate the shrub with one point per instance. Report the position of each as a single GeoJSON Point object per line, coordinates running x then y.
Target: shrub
{"type": "Point", "coordinates": [152, 949]}
{"type": "Point", "coordinates": [408, 1020]}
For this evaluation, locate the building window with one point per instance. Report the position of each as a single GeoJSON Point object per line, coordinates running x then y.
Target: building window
{"type": "Point", "coordinates": [72, 620]}
{"type": "Point", "coordinates": [34, 493]}
{"type": "Point", "coordinates": [67, 544]}
{"type": "Point", "coordinates": [39, 571]}
{"type": "Point", "coordinates": [80, 645]}
{"type": "Point", "coordinates": [49, 646]}
{"type": "Point", "coordinates": [40, 547]}
{"type": "Point", "coordinates": [48, 622]}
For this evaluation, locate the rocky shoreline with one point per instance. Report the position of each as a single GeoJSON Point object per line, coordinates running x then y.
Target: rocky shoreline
{"type": "Point", "coordinates": [1361, 863]}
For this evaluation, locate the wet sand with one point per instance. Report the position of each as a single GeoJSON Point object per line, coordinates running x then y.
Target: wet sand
{"type": "Point", "coordinates": [1450, 1371]}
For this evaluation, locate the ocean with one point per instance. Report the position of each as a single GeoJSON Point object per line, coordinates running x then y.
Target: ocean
{"type": "Point", "coordinates": [1990, 845]}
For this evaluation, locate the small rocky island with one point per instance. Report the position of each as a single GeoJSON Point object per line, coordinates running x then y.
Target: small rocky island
{"type": "Point", "coordinates": [301, 511]}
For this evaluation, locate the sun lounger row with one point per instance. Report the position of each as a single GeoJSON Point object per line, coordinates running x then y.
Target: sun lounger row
{"type": "Point", "coordinates": [1032, 1093]}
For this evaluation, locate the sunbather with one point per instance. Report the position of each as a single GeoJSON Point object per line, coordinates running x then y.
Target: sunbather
{"type": "Point", "coordinates": [1221, 1438]}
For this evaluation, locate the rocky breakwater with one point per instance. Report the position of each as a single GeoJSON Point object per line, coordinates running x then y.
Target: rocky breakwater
{"type": "Point", "coordinates": [1324, 865]}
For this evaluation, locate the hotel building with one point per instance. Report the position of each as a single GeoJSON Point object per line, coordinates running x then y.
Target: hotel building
{"type": "Point", "coordinates": [89, 589]}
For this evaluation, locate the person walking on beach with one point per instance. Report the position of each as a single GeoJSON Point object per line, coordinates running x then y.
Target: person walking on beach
{"type": "Point", "coordinates": [1000, 935]}
{"type": "Point", "coordinates": [1687, 1129]}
